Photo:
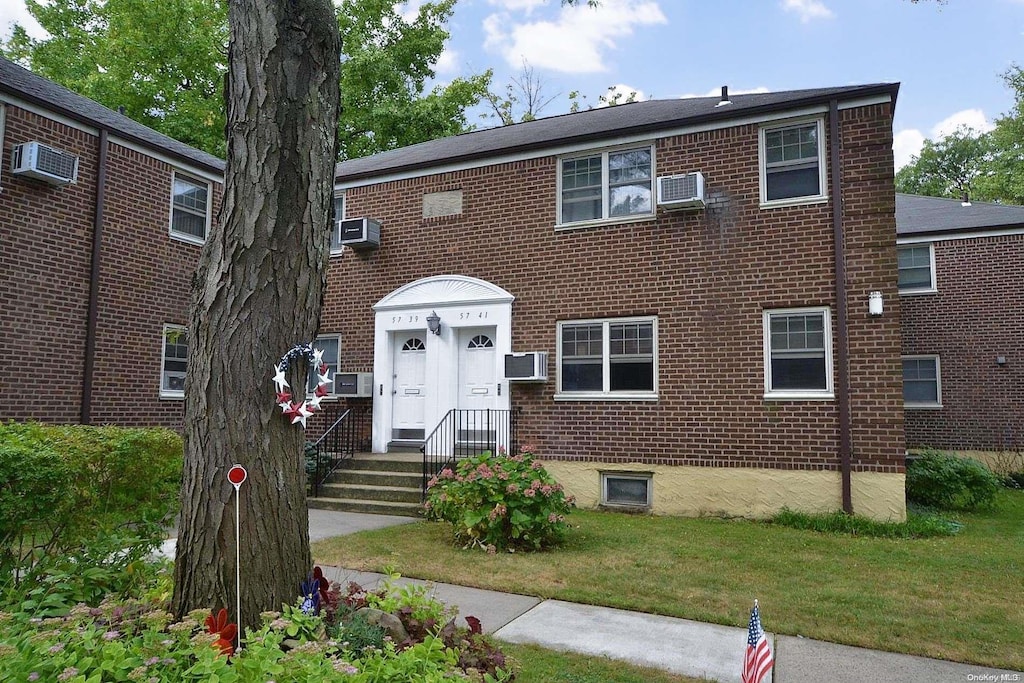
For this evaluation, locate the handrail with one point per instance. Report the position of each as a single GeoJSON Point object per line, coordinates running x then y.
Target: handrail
{"type": "Point", "coordinates": [463, 433]}
{"type": "Point", "coordinates": [338, 443]}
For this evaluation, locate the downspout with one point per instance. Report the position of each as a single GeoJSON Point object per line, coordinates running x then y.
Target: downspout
{"type": "Point", "coordinates": [94, 282]}
{"type": "Point", "coordinates": [842, 338]}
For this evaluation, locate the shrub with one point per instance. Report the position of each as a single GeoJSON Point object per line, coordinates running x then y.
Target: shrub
{"type": "Point", "coordinates": [500, 502]}
{"type": "Point", "coordinates": [947, 482]}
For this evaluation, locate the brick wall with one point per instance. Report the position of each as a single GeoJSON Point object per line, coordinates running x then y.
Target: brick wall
{"type": "Point", "coordinates": [707, 276]}
{"type": "Point", "coordinates": [145, 278]}
{"type": "Point", "coordinates": [974, 317]}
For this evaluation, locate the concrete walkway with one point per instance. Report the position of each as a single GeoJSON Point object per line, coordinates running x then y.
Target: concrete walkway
{"type": "Point", "coordinates": [681, 646]}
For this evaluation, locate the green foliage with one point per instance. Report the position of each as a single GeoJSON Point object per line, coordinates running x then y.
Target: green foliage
{"type": "Point", "coordinates": [357, 634]}
{"type": "Point", "coordinates": [500, 502]}
{"type": "Point", "coordinates": [947, 482]}
{"type": "Point", "coordinates": [411, 601]}
{"type": "Point", "coordinates": [74, 493]}
{"type": "Point", "coordinates": [918, 525]}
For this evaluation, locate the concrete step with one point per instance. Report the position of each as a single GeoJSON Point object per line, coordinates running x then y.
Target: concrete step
{"type": "Point", "coordinates": [365, 506]}
{"type": "Point", "coordinates": [385, 462]}
{"type": "Point", "coordinates": [393, 494]}
{"type": "Point", "coordinates": [407, 446]}
{"type": "Point", "coordinates": [377, 478]}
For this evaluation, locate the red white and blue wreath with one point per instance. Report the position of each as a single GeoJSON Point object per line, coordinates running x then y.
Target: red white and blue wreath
{"type": "Point", "coordinates": [298, 411]}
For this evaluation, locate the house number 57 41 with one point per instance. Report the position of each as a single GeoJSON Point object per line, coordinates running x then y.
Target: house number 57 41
{"type": "Point", "coordinates": [466, 316]}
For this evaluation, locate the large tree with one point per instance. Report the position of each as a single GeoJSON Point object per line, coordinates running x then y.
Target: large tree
{"type": "Point", "coordinates": [258, 292]}
{"type": "Point", "coordinates": [164, 63]}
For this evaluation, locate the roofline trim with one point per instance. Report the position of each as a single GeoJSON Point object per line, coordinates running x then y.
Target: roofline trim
{"type": "Point", "coordinates": [954, 235]}
{"type": "Point", "coordinates": [48, 113]}
{"type": "Point", "coordinates": [176, 162]}
{"type": "Point", "coordinates": [592, 141]}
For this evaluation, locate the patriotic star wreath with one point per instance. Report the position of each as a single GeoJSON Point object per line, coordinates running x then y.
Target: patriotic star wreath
{"type": "Point", "coordinates": [298, 411]}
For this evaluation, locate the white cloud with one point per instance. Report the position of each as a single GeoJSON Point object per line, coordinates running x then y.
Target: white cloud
{"type": "Point", "coordinates": [908, 142]}
{"type": "Point", "coordinates": [573, 41]}
{"type": "Point", "coordinates": [409, 11]}
{"type": "Point", "coordinates": [808, 10]}
{"type": "Point", "coordinates": [624, 91]}
{"type": "Point", "coordinates": [517, 5]}
{"type": "Point", "coordinates": [448, 61]}
{"type": "Point", "coordinates": [16, 13]}
{"type": "Point", "coordinates": [717, 92]}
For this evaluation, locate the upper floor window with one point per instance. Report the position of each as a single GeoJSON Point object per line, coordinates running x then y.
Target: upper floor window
{"type": "Point", "coordinates": [606, 185]}
{"type": "Point", "coordinates": [921, 385]}
{"type": "Point", "coordinates": [916, 266]}
{"type": "Point", "coordinates": [792, 163]}
{"type": "Point", "coordinates": [174, 362]}
{"type": "Point", "coordinates": [190, 207]}
{"type": "Point", "coordinates": [337, 215]}
{"type": "Point", "coordinates": [330, 344]}
{"type": "Point", "coordinates": [615, 358]}
{"type": "Point", "coordinates": [798, 353]}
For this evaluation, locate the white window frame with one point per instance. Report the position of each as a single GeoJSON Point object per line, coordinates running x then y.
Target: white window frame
{"type": "Point", "coordinates": [803, 394]}
{"type": "Point", "coordinates": [647, 477]}
{"type": "Point", "coordinates": [606, 394]}
{"type": "Point", "coordinates": [605, 219]}
{"type": "Point", "coordinates": [336, 362]}
{"type": "Point", "coordinates": [184, 236]}
{"type": "Point", "coordinates": [170, 393]}
{"type": "Point", "coordinates": [336, 225]}
{"type": "Point", "coordinates": [918, 405]}
{"type": "Point", "coordinates": [822, 195]}
{"type": "Point", "coordinates": [931, 289]}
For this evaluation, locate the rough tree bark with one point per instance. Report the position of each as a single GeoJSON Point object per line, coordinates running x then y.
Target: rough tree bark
{"type": "Point", "coordinates": [258, 292]}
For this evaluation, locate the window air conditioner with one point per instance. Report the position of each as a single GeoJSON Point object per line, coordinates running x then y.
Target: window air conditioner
{"type": "Point", "coordinates": [526, 367]}
{"type": "Point", "coordinates": [359, 233]}
{"type": "Point", "coordinates": [353, 384]}
{"type": "Point", "coordinates": [685, 191]}
{"type": "Point", "coordinates": [42, 162]}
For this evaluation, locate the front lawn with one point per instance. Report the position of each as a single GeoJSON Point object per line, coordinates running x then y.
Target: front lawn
{"type": "Point", "coordinates": [954, 598]}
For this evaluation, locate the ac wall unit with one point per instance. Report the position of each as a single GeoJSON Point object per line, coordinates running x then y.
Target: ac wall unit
{"type": "Point", "coordinates": [359, 233]}
{"type": "Point", "coordinates": [353, 384]}
{"type": "Point", "coordinates": [684, 191]}
{"type": "Point", "coordinates": [526, 367]}
{"type": "Point", "coordinates": [42, 162]}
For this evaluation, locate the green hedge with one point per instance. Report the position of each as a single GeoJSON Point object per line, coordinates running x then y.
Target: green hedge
{"type": "Point", "coordinates": [62, 487]}
{"type": "Point", "coordinates": [948, 482]}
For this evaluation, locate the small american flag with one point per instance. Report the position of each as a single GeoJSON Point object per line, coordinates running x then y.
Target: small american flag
{"type": "Point", "coordinates": [758, 660]}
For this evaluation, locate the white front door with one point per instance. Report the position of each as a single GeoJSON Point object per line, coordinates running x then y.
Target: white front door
{"type": "Point", "coordinates": [409, 391]}
{"type": "Point", "coordinates": [478, 385]}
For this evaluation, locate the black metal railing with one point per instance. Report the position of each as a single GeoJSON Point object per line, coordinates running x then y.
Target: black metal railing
{"type": "Point", "coordinates": [349, 433]}
{"type": "Point", "coordinates": [465, 433]}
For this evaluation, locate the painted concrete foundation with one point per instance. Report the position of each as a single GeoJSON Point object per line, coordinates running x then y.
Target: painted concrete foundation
{"type": "Point", "coordinates": [741, 492]}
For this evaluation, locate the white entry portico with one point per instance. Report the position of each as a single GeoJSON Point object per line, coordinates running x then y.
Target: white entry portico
{"type": "Point", "coordinates": [419, 376]}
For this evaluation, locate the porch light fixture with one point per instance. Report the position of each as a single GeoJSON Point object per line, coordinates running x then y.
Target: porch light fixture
{"type": "Point", "coordinates": [434, 322]}
{"type": "Point", "coordinates": [875, 304]}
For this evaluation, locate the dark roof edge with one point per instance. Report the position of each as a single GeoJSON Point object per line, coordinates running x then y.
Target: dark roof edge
{"type": "Point", "coordinates": [855, 92]}
{"type": "Point", "coordinates": [119, 132]}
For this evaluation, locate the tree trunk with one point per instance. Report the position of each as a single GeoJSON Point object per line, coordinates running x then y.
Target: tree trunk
{"type": "Point", "coordinates": [257, 293]}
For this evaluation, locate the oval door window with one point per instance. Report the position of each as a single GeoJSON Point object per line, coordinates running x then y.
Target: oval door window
{"type": "Point", "coordinates": [480, 341]}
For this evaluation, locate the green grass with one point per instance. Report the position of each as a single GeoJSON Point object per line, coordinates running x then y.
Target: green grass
{"type": "Point", "coordinates": [955, 597]}
{"type": "Point", "coordinates": [539, 665]}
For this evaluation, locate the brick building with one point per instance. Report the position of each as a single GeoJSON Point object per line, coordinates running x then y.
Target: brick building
{"type": "Point", "coordinates": [961, 284]}
{"type": "Point", "coordinates": [704, 356]}
{"type": "Point", "coordinates": [94, 274]}
{"type": "Point", "coordinates": [695, 343]}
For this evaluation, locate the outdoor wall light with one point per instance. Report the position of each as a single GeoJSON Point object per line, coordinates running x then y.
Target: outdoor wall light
{"type": "Point", "coordinates": [875, 303]}
{"type": "Point", "coordinates": [434, 322]}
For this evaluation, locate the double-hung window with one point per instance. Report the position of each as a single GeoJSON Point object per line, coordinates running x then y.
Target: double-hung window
{"type": "Point", "coordinates": [337, 215]}
{"type": "Point", "coordinates": [606, 185]}
{"type": "Point", "coordinates": [190, 207]}
{"type": "Point", "coordinates": [613, 358]}
{"type": "Point", "coordinates": [916, 268]}
{"type": "Point", "coordinates": [331, 347]}
{"type": "Point", "coordinates": [174, 362]}
{"type": "Point", "coordinates": [793, 163]}
{"type": "Point", "coordinates": [798, 353]}
{"type": "Point", "coordinates": [922, 387]}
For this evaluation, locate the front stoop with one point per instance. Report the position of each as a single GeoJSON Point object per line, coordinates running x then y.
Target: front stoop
{"type": "Point", "coordinates": [375, 483]}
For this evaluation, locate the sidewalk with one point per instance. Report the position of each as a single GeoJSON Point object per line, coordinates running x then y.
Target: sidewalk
{"type": "Point", "coordinates": [681, 646]}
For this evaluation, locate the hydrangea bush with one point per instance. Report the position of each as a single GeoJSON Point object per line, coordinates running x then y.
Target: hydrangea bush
{"type": "Point", "coordinates": [500, 502]}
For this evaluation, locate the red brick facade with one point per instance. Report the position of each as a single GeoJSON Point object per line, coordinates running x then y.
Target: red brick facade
{"type": "Point", "coordinates": [46, 242]}
{"type": "Point", "coordinates": [707, 275]}
{"type": "Point", "coordinates": [972, 319]}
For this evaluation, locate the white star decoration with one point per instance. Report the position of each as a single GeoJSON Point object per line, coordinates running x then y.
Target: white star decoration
{"type": "Point", "coordinates": [279, 379]}
{"type": "Point", "coordinates": [325, 379]}
{"type": "Point", "coordinates": [303, 413]}
{"type": "Point", "coordinates": [318, 357]}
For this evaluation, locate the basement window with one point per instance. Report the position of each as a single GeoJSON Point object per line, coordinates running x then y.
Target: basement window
{"type": "Point", "coordinates": [632, 490]}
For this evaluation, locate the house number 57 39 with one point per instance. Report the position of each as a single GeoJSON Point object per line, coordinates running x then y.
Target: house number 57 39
{"type": "Point", "coordinates": [407, 318]}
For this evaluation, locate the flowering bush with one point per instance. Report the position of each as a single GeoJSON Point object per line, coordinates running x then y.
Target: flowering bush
{"type": "Point", "coordinates": [500, 502]}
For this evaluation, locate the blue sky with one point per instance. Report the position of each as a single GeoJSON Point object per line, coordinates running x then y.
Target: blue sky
{"type": "Point", "coordinates": [948, 57]}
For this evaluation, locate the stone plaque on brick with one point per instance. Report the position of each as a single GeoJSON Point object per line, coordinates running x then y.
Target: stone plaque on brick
{"type": "Point", "coordinates": [437, 204]}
